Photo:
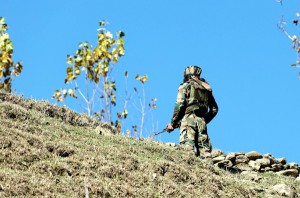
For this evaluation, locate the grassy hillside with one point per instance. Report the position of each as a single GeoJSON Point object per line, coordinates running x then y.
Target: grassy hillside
{"type": "Point", "coordinates": [50, 151]}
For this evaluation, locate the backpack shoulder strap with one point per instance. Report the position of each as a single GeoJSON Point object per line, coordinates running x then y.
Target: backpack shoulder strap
{"type": "Point", "coordinates": [202, 83]}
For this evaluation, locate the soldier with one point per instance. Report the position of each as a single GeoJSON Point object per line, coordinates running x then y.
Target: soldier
{"type": "Point", "coordinates": [195, 107]}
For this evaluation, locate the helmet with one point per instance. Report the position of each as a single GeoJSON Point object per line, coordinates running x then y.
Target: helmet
{"type": "Point", "coordinates": [192, 70]}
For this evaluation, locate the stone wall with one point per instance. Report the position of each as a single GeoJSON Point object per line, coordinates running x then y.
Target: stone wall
{"type": "Point", "coordinates": [253, 161]}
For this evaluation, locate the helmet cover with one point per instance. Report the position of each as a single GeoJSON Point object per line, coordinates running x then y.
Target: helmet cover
{"type": "Point", "coordinates": [192, 70]}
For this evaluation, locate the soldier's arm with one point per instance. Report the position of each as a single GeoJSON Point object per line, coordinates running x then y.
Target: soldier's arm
{"type": "Point", "coordinates": [213, 108]}
{"type": "Point", "coordinates": [180, 105]}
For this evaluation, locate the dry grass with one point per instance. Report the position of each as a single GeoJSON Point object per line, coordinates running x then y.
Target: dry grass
{"type": "Point", "coordinates": [50, 151]}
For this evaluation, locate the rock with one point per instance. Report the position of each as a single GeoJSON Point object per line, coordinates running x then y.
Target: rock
{"type": "Point", "coordinates": [254, 165]}
{"type": "Point", "coordinates": [268, 169]}
{"type": "Point", "coordinates": [216, 153]}
{"type": "Point", "coordinates": [218, 159]}
{"type": "Point", "coordinates": [241, 159]}
{"type": "Point", "coordinates": [224, 164]}
{"type": "Point", "coordinates": [298, 179]}
{"type": "Point", "coordinates": [239, 162]}
{"type": "Point", "coordinates": [247, 172]}
{"type": "Point", "coordinates": [293, 165]}
{"type": "Point", "coordinates": [286, 167]}
{"type": "Point", "coordinates": [259, 164]}
{"type": "Point", "coordinates": [277, 167]}
{"type": "Point", "coordinates": [264, 162]}
{"type": "Point", "coordinates": [239, 153]}
{"type": "Point", "coordinates": [267, 155]}
{"type": "Point", "coordinates": [289, 172]}
{"type": "Point", "coordinates": [231, 157]}
{"type": "Point", "coordinates": [281, 161]}
{"type": "Point", "coordinates": [253, 155]}
{"type": "Point", "coordinates": [270, 157]}
{"type": "Point", "coordinates": [154, 175]}
{"type": "Point", "coordinates": [243, 167]}
{"type": "Point", "coordinates": [284, 190]}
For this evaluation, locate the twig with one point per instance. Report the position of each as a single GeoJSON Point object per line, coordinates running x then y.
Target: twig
{"type": "Point", "coordinates": [86, 188]}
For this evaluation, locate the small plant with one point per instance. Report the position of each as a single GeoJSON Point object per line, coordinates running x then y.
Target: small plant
{"type": "Point", "coordinates": [293, 37]}
{"type": "Point", "coordinates": [91, 69]}
{"type": "Point", "coordinates": [137, 102]}
{"type": "Point", "coordinates": [89, 75]}
{"type": "Point", "coordinates": [141, 106]}
{"type": "Point", "coordinates": [8, 69]}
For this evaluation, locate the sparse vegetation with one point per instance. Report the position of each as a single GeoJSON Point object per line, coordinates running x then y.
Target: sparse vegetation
{"type": "Point", "coordinates": [89, 75]}
{"type": "Point", "coordinates": [8, 68]}
{"type": "Point", "coordinates": [95, 86]}
{"type": "Point", "coordinates": [50, 151]}
{"type": "Point", "coordinates": [291, 35]}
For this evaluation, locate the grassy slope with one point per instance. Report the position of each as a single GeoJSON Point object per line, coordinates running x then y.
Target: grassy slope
{"type": "Point", "coordinates": [49, 151]}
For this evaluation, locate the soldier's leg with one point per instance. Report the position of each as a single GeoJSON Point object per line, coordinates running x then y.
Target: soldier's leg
{"type": "Point", "coordinates": [204, 143]}
{"type": "Point", "coordinates": [187, 133]}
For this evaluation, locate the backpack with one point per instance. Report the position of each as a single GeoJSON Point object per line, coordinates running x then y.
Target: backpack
{"type": "Point", "coordinates": [198, 97]}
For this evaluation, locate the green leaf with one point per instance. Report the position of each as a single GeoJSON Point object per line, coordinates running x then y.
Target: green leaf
{"type": "Point", "coordinates": [294, 65]}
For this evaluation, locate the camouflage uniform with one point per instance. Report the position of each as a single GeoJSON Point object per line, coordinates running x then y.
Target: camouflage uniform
{"type": "Point", "coordinates": [193, 112]}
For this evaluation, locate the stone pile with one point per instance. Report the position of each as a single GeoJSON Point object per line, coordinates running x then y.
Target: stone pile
{"type": "Point", "coordinates": [253, 161]}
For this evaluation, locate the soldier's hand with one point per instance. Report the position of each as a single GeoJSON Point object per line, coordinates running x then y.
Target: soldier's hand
{"type": "Point", "coordinates": [169, 127]}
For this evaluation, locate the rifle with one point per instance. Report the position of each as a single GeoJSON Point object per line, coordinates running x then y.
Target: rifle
{"type": "Point", "coordinates": [157, 133]}
{"type": "Point", "coordinates": [164, 130]}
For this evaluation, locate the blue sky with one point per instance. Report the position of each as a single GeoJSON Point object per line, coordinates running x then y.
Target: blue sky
{"type": "Point", "coordinates": [244, 56]}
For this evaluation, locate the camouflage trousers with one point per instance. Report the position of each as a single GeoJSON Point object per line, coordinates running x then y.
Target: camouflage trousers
{"type": "Point", "coordinates": [193, 132]}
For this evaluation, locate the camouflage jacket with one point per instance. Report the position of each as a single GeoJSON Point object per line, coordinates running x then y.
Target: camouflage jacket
{"type": "Point", "coordinates": [182, 102]}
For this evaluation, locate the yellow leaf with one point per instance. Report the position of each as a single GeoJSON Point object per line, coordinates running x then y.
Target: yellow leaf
{"type": "Point", "coordinates": [69, 60]}
{"type": "Point", "coordinates": [114, 51]}
{"type": "Point", "coordinates": [101, 37]}
{"type": "Point", "coordinates": [64, 91]}
{"type": "Point", "coordinates": [109, 35]}
{"type": "Point", "coordinates": [125, 113]}
{"type": "Point", "coordinates": [154, 106]}
{"type": "Point", "coordinates": [57, 93]}
{"type": "Point", "coordinates": [115, 58]}
{"type": "Point", "coordinates": [5, 36]}
{"type": "Point", "coordinates": [71, 92]}
{"type": "Point", "coordinates": [77, 71]}
{"type": "Point", "coordinates": [144, 78]}
{"type": "Point", "coordinates": [78, 59]}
